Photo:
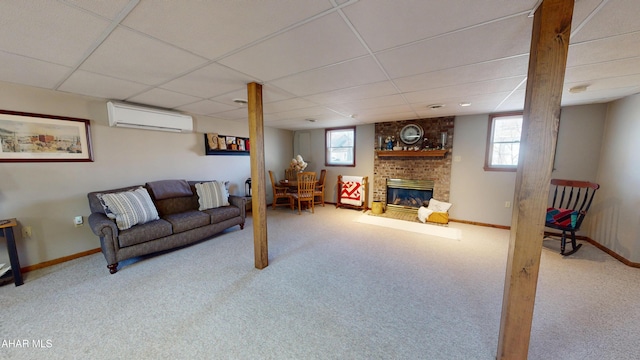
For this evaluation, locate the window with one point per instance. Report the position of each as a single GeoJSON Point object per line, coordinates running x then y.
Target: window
{"type": "Point", "coordinates": [503, 144]}
{"type": "Point", "coordinates": [340, 147]}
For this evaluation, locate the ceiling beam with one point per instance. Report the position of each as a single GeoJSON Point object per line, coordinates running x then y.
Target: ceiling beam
{"type": "Point", "coordinates": [547, 63]}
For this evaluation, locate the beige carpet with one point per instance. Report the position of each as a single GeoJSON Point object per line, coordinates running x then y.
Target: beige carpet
{"type": "Point", "coordinates": [402, 220]}
{"type": "Point", "coordinates": [334, 289]}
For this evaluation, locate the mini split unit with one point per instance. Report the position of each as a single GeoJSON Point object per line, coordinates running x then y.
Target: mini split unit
{"type": "Point", "coordinates": [140, 117]}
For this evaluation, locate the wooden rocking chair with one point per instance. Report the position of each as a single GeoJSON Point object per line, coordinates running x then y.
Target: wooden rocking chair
{"type": "Point", "coordinates": [571, 201]}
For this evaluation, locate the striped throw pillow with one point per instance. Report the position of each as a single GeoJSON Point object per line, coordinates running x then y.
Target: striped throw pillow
{"type": "Point", "coordinates": [131, 207]}
{"type": "Point", "coordinates": [212, 194]}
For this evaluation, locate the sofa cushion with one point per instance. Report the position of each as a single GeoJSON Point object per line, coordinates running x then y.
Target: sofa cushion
{"type": "Point", "coordinates": [212, 194]}
{"type": "Point", "coordinates": [131, 207]}
{"type": "Point", "coordinates": [167, 189]}
{"type": "Point", "coordinates": [222, 213]}
{"type": "Point", "coordinates": [188, 220]}
{"type": "Point", "coordinates": [145, 232]}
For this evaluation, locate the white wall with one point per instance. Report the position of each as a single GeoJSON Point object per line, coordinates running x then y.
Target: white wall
{"type": "Point", "coordinates": [365, 135]}
{"type": "Point", "coordinates": [614, 219]}
{"type": "Point", "coordinates": [480, 196]}
{"type": "Point", "coordinates": [46, 196]}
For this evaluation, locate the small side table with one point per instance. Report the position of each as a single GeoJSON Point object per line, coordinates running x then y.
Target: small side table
{"type": "Point", "coordinates": [6, 230]}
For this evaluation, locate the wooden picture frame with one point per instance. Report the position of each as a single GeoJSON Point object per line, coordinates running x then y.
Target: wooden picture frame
{"type": "Point", "coordinates": [29, 137]}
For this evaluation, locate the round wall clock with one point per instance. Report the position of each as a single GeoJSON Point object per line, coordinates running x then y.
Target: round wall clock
{"type": "Point", "coordinates": [411, 133]}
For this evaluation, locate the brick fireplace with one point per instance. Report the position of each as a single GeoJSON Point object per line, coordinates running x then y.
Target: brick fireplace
{"type": "Point", "coordinates": [416, 165]}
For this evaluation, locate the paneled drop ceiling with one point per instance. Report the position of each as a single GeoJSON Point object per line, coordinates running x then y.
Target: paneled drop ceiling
{"type": "Point", "coordinates": [338, 62]}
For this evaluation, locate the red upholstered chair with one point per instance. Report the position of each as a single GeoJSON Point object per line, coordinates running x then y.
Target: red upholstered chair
{"type": "Point", "coordinates": [571, 201]}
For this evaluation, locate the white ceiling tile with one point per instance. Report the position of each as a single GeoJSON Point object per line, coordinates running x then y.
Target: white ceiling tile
{"type": "Point", "coordinates": [499, 69]}
{"type": "Point", "coordinates": [109, 9]}
{"type": "Point", "coordinates": [286, 105]}
{"type": "Point", "coordinates": [354, 93]}
{"type": "Point", "coordinates": [97, 85]}
{"type": "Point", "coordinates": [465, 91]}
{"type": "Point", "coordinates": [515, 102]}
{"type": "Point", "coordinates": [358, 106]}
{"type": "Point", "coordinates": [27, 71]}
{"type": "Point", "coordinates": [209, 81]}
{"type": "Point", "coordinates": [616, 17]}
{"type": "Point", "coordinates": [214, 28]}
{"type": "Point", "coordinates": [607, 83]}
{"type": "Point", "coordinates": [367, 113]}
{"type": "Point", "coordinates": [321, 42]}
{"type": "Point", "coordinates": [48, 30]}
{"type": "Point", "coordinates": [206, 107]}
{"type": "Point", "coordinates": [589, 72]}
{"type": "Point", "coordinates": [597, 96]}
{"type": "Point", "coordinates": [311, 56]}
{"type": "Point", "coordinates": [489, 42]}
{"type": "Point", "coordinates": [406, 22]}
{"type": "Point", "coordinates": [342, 75]}
{"type": "Point", "coordinates": [163, 98]}
{"type": "Point", "coordinates": [316, 112]}
{"type": "Point", "coordinates": [128, 55]}
{"type": "Point", "coordinates": [612, 48]}
{"type": "Point", "coordinates": [236, 114]}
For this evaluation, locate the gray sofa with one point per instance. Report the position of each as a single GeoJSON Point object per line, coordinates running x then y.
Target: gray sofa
{"type": "Point", "coordinates": [180, 222]}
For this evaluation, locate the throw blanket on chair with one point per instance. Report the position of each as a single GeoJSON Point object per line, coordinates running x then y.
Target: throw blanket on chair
{"type": "Point", "coordinates": [562, 217]}
{"type": "Point", "coordinates": [351, 193]}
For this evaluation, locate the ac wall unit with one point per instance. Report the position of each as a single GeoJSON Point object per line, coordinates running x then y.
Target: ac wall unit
{"type": "Point", "coordinates": [140, 117]}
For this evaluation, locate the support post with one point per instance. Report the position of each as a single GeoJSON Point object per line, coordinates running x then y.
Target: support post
{"type": "Point", "coordinates": [547, 63]}
{"type": "Point", "coordinates": [258, 181]}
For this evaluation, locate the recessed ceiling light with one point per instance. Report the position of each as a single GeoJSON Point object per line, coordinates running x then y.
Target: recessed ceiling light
{"type": "Point", "coordinates": [465, 104]}
{"type": "Point", "coordinates": [435, 106]}
{"type": "Point", "coordinates": [578, 89]}
{"type": "Point", "coordinates": [240, 101]}
{"type": "Point", "coordinates": [311, 120]}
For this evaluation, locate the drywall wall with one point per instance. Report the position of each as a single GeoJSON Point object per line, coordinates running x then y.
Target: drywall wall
{"type": "Point", "coordinates": [47, 196]}
{"type": "Point", "coordinates": [365, 136]}
{"type": "Point", "coordinates": [613, 220]}
{"type": "Point", "coordinates": [478, 195]}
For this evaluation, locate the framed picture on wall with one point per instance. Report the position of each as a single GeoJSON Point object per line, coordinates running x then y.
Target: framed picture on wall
{"type": "Point", "coordinates": [28, 137]}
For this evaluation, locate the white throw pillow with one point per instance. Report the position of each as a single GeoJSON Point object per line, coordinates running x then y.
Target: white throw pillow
{"type": "Point", "coordinates": [212, 194]}
{"type": "Point", "coordinates": [423, 213]}
{"type": "Point", "coordinates": [438, 206]}
{"type": "Point", "coordinates": [131, 207]}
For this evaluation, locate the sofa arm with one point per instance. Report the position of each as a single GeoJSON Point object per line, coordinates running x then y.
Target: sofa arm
{"type": "Point", "coordinates": [102, 226]}
{"type": "Point", "coordinates": [240, 202]}
{"type": "Point", "coordinates": [107, 231]}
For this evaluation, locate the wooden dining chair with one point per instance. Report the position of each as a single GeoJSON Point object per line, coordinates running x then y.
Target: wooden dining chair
{"type": "Point", "coordinates": [571, 201]}
{"type": "Point", "coordinates": [319, 191]}
{"type": "Point", "coordinates": [306, 191]}
{"type": "Point", "coordinates": [279, 192]}
{"type": "Point", "coordinates": [291, 174]}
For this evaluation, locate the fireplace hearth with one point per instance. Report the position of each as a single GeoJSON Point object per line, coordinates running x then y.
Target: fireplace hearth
{"type": "Point", "coordinates": [408, 194]}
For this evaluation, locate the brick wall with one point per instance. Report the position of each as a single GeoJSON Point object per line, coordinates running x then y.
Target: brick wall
{"type": "Point", "coordinates": [437, 169]}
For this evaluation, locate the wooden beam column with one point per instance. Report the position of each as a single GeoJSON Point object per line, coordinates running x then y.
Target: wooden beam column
{"type": "Point", "coordinates": [258, 180]}
{"type": "Point", "coordinates": [547, 63]}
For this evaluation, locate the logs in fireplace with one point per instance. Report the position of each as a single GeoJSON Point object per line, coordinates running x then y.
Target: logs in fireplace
{"type": "Point", "coordinates": [408, 194]}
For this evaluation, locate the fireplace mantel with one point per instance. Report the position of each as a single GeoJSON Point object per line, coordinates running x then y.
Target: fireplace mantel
{"type": "Point", "coordinates": [411, 153]}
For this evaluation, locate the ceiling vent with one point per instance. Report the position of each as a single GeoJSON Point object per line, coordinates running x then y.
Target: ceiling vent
{"type": "Point", "coordinates": [147, 118]}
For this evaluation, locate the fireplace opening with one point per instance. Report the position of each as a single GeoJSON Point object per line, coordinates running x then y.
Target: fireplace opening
{"type": "Point", "coordinates": [409, 194]}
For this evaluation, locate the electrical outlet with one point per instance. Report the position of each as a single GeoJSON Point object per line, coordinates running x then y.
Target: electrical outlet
{"type": "Point", "coordinates": [26, 231]}
{"type": "Point", "coordinates": [507, 204]}
{"type": "Point", "coordinates": [77, 221]}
